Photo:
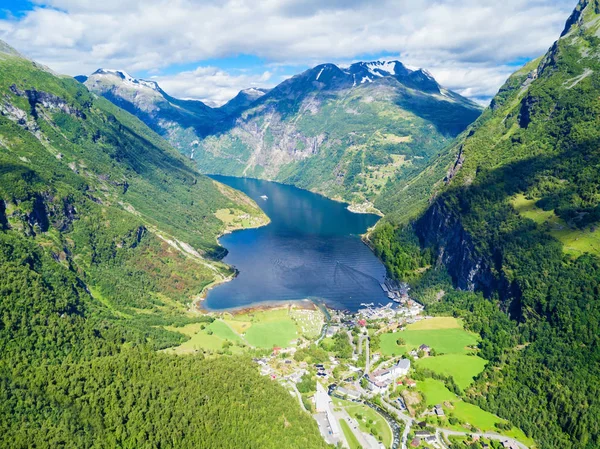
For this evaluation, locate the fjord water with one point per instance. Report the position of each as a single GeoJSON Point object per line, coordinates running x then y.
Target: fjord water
{"type": "Point", "coordinates": [310, 250]}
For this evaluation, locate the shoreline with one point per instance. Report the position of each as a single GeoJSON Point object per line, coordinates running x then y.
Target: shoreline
{"type": "Point", "coordinates": [305, 304]}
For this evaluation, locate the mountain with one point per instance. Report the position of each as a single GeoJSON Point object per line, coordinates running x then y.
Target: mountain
{"type": "Point", "coordinates": [242, 100]}
{"type": "Point", "coordinates": [107, 236]}
{"type": "Point", "coordinates": [345, 132]}
{"type": "Point", "coordinates": [181, 122]}
{"type": "Point", "coordinates": [513, 214]}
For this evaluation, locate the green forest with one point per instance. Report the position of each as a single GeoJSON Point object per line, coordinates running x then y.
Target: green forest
{"type": "Point", "coordinates": [106, 232]}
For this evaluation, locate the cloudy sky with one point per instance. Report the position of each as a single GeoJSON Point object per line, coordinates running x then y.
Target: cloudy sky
{"type": "Point", "coordinates": [211, 49]}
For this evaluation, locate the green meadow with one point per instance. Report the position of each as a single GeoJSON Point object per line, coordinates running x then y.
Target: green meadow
{"type": "Point", "coordinates": [575, 241]}
{"type": "Point", "coordinates": [463, 368]}
{"type": "Point", "coordinates": [435, 391]}
{"type": "Point", "coordinates": [260, 329]}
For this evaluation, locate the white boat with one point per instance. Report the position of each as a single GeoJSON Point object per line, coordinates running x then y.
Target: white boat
{"type": "Point", "coordinates": [264, 197]}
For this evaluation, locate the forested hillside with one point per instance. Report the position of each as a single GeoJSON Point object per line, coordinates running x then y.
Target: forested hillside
{"type": "Point", "coordinates": [107, 235]}
{"type": "Point", "coordinates": [516, 218]}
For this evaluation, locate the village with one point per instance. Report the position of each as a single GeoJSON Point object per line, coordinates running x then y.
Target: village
{"type": "Point", "coordinates": [390, 376]}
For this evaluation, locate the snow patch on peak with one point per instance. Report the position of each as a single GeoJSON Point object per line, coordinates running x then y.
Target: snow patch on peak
{"type": "Point", "coordinates": [128, 79]}
{"type": "Point", "coordinates": [377, 67]}
{"type": "Point", "coordinates": [319, 75]}
{"type": "Point", "coordinates": [366, 79]}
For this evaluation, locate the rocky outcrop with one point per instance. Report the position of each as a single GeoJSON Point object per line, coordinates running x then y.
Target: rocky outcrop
{"type": "Point", "coordinates": [47, 100]}
{"type": "Point", "coordinates": [3, 219]}
{"type": "Point", "coordinates": [442, 230]}
{"type": "Point", "coordinates": [576, 18]}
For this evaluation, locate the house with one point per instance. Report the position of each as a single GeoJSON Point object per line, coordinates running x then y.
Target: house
{"type": "Point", "coordinates": [401, 368]}
{"type": "Point", "coordinates": [426, 349]}
{"type": "Point", "coordinates": [410, 383]}
{"type": "Point", "coordinates": [507, 444]}
{"type": "Point", "coordinates": [415, 442]}
{"type": "Point", "coordinates": [362, 323]}
{"type": "Point", "coordinates": [439, 411]}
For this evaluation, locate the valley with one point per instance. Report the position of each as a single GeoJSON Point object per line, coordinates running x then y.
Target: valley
{"type": "Point", "coordinates": [353, 257]}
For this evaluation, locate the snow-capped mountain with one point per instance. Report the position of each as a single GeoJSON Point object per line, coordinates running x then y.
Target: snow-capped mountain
{"type": "Point", "coordinates": [326, 129]}
{"type": "Point", "coordinates": [182, 122]}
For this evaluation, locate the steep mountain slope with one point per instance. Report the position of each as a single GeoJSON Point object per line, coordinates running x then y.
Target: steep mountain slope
{"type": "Point", "coordinates": [181, 122]}
{"type": "Point", "coordinates": [347, 133]}
{"type": "Point", "coordinates": [516, 217]}
{"type": "Point", "coordinates": [342, 132]}
{"type": "Point", "coordinates": [107, 234]}
{"type": "Point", "coordinates": [242, 100]}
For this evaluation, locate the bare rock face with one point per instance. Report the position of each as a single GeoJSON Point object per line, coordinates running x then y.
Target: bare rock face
{"type": "Point", "coordinates": [47, 100]}
{"type": "Point", "coordinates": [441, 229]}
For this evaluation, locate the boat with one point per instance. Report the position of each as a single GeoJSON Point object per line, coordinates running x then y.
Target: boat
{"type": "Point", "coordinates": [264, 197]}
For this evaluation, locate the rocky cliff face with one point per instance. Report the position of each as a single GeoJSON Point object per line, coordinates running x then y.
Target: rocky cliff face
{"type": "Point", "coordinates": [441, 229]}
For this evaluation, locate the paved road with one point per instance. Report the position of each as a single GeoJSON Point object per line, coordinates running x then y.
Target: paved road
{"type": "Point", "coordinates": [491, 436]}
{"type": "Point", "coordinates": [408, 422]}
{"type": "Point", "coordinates": [343, 414]}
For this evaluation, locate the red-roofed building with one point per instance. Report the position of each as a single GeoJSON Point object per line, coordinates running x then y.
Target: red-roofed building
{"type": "Point", "coordinates": [362, 323]}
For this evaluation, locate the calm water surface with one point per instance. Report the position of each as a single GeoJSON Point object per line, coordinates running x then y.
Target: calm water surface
{"type": "Point", "coordinates": [310, 250]}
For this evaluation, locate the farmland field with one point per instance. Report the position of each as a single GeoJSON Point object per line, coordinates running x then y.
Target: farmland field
{"type": "Point", "coordinates": [438, 322]}
{"type": "Point", "coordinates": [463, 368]}
{"type": "Point", "coordinates": [435, 391]}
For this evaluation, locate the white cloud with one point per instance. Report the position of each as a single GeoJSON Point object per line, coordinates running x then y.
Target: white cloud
{"type": "Point", "coordinates": [210, 84]}
{"type": "Point", "coordinates": [466, 43]}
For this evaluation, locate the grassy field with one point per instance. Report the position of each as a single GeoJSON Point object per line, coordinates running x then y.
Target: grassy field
{"type": "Point", "coordinates": [576, 241]}
{"type": "Point", "coordinates": [485, 421]}
{"type": "Point", "coordinates": [262, 329]}
{"type": "Point", "coordinates": [200, 339]}
{"type": "Point", "coordinates": [273, 333]}
{"type": "Point", "coordinates": [435, 323]}
{"type": "Point", "coordinates": [463, 368]}
{"type": "Point", "coordinates": [363, 414]}
{"type": "Point", "coordinates": [435, 392]}
{"type": "Point", "coordinates": [222, 330]}
{"type": "Point", "coordinates": [350, 438]}
{"type": "Point", "coordinates": [444, 341]}
{"type": "Point", "coordinates": [235, 219]}
{"type": "Point", "coordinates": [388, 344]}
{"type": "Point", "coordinates": [475, 416]}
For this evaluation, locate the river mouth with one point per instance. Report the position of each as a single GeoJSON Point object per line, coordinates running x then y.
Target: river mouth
{"type": "Point", "coordinates": [311, 249]}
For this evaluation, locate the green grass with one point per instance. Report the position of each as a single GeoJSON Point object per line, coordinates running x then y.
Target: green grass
{"type": "Point", "coordinates": [435, 391]}
{"type": "Point", "coordinates": [388, 344]}
{"type": "Point", "coordinates": [444, 341]}
{"type": "Point", "coordinates": [366, 414]}
{"type": "Point", "coordinates": [223, 331]}
{"type": "Point", "coordinates": [576, 241]}
{"type": "Point", "coordinates": [475, 416]}
{"type": "Point", "coordinates": [463, 368]}
{"type": "Point", "coordinates": [272, 333]}
{"type": "Point", "coordinates": [436, 323]}
{"type": "Point", "coordinates": [201, 340]}
{"type": "Point", "coordinates": [350, 438]}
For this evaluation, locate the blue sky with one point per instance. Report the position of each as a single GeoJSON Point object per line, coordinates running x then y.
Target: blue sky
{"type": "Point", "coordinates": [210, 49]}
